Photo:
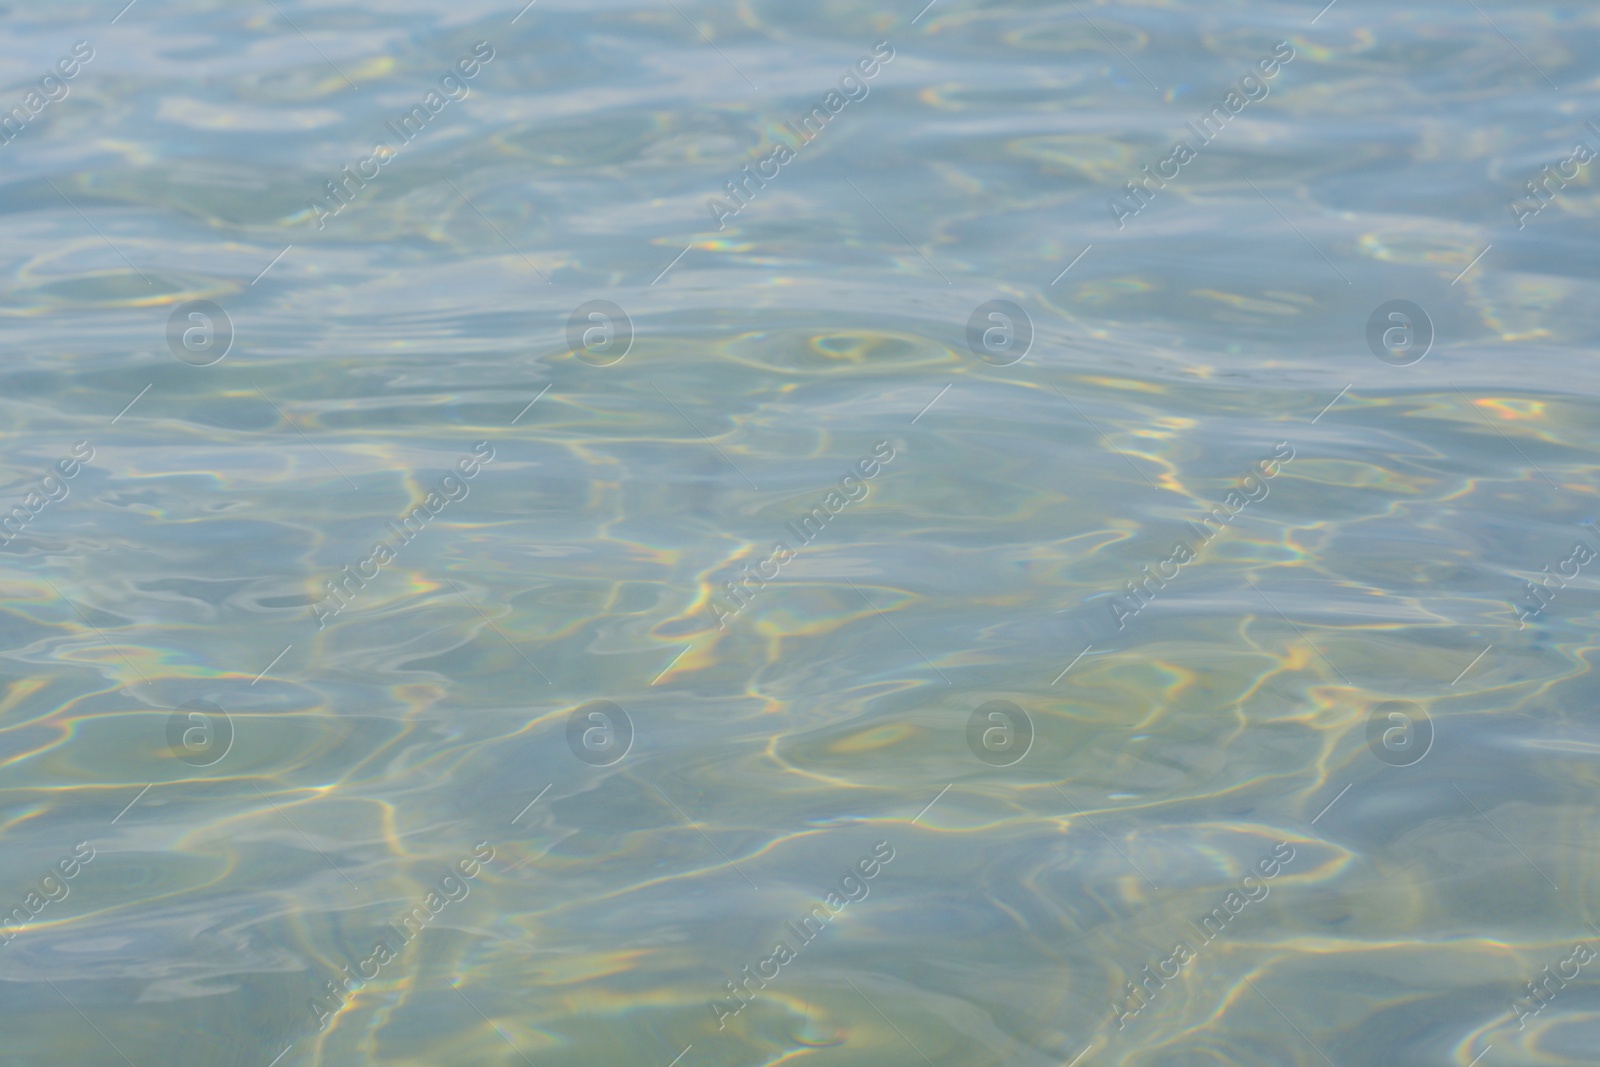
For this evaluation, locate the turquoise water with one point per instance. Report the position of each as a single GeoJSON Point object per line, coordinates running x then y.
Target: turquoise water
{"type": "Point", "coordinates": [750, 534]}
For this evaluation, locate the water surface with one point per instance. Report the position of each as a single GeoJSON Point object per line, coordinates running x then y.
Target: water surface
{"type": "Point", "coordinates": [795, 663]}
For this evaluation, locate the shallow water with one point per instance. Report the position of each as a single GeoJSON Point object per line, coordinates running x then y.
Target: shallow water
{"type": "Point", "coordinates": [1316, 788]}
